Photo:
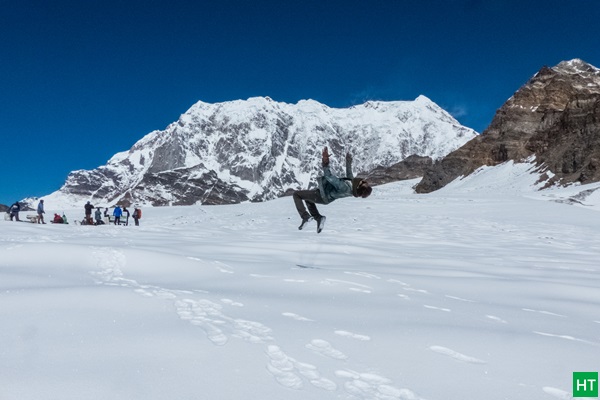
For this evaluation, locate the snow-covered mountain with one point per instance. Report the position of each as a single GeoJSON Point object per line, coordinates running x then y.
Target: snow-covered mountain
{"type": "Point", "coordinates": [258, 149]}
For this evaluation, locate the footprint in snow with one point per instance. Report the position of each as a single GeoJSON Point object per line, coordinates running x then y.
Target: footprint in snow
{"type": "Point", "coordinates": [297, 317]}
{"type": "Point", "coordinates": [398, 282]}
{"type": "Point", "coordinates": [456, 355]}
{"type": "Point", "coordinates": [351, 335]}
{"type": "Point", "coordinates": [359, 290]}
{"type": "Point", "coordinates": [460, 299]}
{"type": "Point", "coordinates": [566, 337]}
{"type": "Point", "coordinates": [371, 386]}
{"type": "Point", "coordinates": [363, 274]}
{"type": "Point", "coordinates": [289, 373]}
{"type": "Point", "coordinates": [544, 312]}
{"type": "Point", "coordinates": [496, 319]}
{"type": "Point", "coordinates": [437, 308]}
{"type": "Point", "coordinates": [352, 285]}
{"type": "Point", "coordinates": [557, 393]}
{"type": "Point", "coordinates": [232, 303]}
{"type": "Point", "coordinates": [207, 315]}
{"type": "Point", "coordinates": [423, 291]}
{"type": "Point", "coordinates": [211, 319]}
{"type": "Point", "coordinates": [324, 348]}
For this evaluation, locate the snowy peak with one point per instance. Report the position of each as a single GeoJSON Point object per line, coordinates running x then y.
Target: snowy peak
{"type": "Point", "coordinates": [258, 149]}
{"type": "Point", "coordinates": [576, 66]}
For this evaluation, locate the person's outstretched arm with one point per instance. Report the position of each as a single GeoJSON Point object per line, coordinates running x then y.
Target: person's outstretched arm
{"type": "Point", "coordinates": [349, 173]}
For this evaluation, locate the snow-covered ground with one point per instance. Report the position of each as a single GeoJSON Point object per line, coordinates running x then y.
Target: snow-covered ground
{"type": "Point", "coordinates": [483, 290]}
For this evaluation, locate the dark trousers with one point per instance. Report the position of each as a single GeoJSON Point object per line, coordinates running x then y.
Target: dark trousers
{"type": "Point", "coordinates": [311, 198]}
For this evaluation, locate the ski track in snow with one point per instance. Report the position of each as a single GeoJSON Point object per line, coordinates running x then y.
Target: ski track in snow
{"type": "Point", "coordinates": [219, 328]}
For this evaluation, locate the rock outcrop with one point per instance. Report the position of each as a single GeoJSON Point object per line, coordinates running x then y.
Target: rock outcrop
{"type": "Point", "coordinates": [554, 118]}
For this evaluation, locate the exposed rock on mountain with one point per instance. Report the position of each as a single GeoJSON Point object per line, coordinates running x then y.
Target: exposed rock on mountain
{"type": "Point", "coordinates": [554, 117]}
{"type": "Point", "coordinates": [410, 168]}
{"type": "Point", "coordinates": [258, 149]}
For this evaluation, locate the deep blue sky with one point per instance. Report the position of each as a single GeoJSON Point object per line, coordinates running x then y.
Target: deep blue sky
{"type": "Point", "coordinates": [82, 80]}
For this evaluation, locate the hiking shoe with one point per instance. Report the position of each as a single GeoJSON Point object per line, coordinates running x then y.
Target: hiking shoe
{"type": "Point", "coordinates": [304, 221]}
{"type": "Point", "coordinates": [320, 223]}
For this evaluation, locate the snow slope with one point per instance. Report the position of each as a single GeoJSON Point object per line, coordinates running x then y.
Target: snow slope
{"type": "Point", "coordinates": [472, 292]}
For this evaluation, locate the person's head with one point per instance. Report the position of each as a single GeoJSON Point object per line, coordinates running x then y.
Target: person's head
{"type": "Point", "coordinates": [41, 201]}
{"type": "Point", "coordinates": [363, 189]}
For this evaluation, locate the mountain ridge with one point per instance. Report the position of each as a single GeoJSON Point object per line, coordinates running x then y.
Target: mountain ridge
{"type": "Point", "coordinates": [554, 118]}
{"type": "Point", "coordinates": [259, 149]}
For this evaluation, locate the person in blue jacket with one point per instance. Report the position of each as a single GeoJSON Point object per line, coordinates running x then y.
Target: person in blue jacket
{"type": "Point", "coordinates": [117, 214]}
{"type": "Point", "coordinates": [330, 188]}
{"type": "Point", "coordinates": [41, 212]}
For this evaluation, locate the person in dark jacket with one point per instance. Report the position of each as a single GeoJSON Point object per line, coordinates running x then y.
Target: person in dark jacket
{"type": "Point", "coordinates": [330, 188]}
{"type": "Point", "coordinates": [126, 213]}
{"type": "Point", "coordinates": [14, 211]}
{"type": "Point", "coordinates": [88, 213]}
{"type": "Point", "coordinates": [137, 214]}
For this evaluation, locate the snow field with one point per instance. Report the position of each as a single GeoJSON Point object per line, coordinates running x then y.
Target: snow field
{"type": "Point", "coordinates": [459, 294]}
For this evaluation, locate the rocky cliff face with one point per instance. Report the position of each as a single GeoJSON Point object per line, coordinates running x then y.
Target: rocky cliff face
{"type": "Point", "coordinates": [259, 149]}
{"type": "Point", "coordinates": [554, 117]}
{"type": "Point", "coordinates": [410, 168]}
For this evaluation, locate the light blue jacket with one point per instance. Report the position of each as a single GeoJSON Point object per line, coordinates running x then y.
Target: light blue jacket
{"type": "Point", "coordinates": [333, 188]}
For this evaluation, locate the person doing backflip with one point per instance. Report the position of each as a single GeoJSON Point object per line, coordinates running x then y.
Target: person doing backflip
{"type": "Point", "coordinates": [330, 188]}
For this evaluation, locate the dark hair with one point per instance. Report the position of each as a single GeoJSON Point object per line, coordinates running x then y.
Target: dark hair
{"type": "Point", "coordinates": [365, 190]}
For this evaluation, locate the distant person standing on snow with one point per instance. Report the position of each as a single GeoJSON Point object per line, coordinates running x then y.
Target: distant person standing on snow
{"type": "Point", "coordinates": [88, 213]}
{"type": "Point", "coordinates": [117, 214]}
{"type": "Point", "coordinates": [137, 214]}
{"type": "Point", "coordinates": [330, 188]}
{"type": "Point", "coordinates": [14, 211]}
{"type": "Point", "coordinates": [127, 214]}
{"type": "Point", "coordinates": [41, 212]}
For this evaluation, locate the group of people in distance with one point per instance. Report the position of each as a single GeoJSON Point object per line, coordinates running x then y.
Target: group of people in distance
{"type": "Point", "coordinates": [329, 189]}
{"type": "Point", "coordinates": [13, 213]}
{"type": "Point", "coordinates": [104, 218]}
{"type": "Point", "coordinates": [99, 217]}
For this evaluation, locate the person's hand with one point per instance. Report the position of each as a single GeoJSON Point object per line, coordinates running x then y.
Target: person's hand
{"type": "Point", "coordinates": [325, 157]}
